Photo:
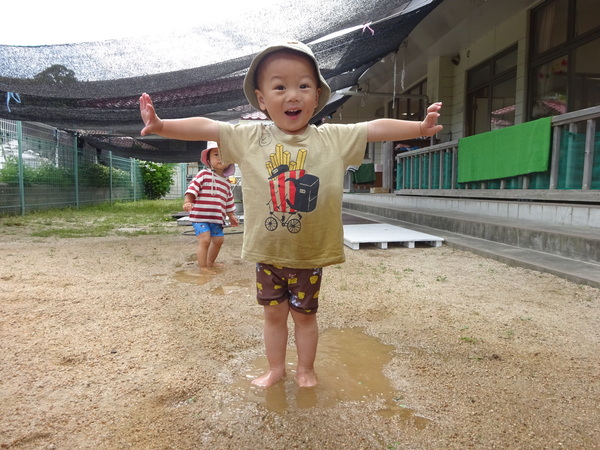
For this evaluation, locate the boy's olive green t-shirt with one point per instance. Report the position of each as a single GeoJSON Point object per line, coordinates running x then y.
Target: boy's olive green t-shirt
{"type": "Point", "coordinates": [292, 190]}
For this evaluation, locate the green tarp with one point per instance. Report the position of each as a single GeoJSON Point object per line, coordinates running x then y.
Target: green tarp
{"type": "Point", "coordinates": [364, 174]}
{"type": "Point", "coordinates": [508, 152]}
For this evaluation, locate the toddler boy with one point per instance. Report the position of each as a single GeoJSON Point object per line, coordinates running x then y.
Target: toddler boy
{"type": "Point", "coordinates": [293, 183]}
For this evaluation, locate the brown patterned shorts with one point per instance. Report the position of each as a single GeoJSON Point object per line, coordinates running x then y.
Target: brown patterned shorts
{"type": "Point", "coordinates": [275, 285]}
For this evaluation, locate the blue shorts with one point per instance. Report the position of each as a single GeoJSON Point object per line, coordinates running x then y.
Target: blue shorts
{"type": "Point", "coordinates": [214, 228]}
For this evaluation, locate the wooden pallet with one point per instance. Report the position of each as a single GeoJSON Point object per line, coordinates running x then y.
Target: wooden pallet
{"type": "Point", "coordinates": [380, 234]}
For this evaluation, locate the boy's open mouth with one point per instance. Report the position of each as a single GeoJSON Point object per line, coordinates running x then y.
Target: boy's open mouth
{"type": "Point", "coordinates": [293, 113]}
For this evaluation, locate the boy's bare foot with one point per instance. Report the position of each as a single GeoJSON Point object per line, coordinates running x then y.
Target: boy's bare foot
{"type": "Point", "coordinates": [207, 271]}
{"type": "Point", "coordinates": [307, 379]}
{"type": "Point", "coordinates": [216, 265]}
{"type": "Point", "coordinates": [268, 379]}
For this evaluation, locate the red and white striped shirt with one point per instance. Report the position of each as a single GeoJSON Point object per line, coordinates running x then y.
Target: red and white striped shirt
{"type": "Point", "coordinates": [213, 198]}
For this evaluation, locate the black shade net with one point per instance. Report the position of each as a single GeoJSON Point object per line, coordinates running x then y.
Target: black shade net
{"type": "Point", "coordinates": [93, 88]}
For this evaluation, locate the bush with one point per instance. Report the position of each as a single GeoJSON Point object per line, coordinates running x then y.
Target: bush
{"type": "Point", "coordinates": [10, 173]}
{"type": "Point", "coordinates": [45, 173]}
{"type": "Point", "coordinates": [100, 175]}
{"type": "Point", "coordinates": [96, 175]}
{"type": "Point", "coordinates": [157, 179]}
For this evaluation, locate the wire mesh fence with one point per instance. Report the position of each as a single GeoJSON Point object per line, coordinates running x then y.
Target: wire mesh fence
{"type": "Point", "coordinates": [42, 167]}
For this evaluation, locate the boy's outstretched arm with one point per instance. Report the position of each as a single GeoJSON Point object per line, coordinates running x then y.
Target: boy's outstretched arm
{"type": "Point", "coordinates": [190, 129]}
{"type": "Point", "coordinates": [399, 130]}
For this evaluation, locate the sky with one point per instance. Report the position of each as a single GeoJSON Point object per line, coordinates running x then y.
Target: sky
{"type": "Point", "coordinates": [67, 21]}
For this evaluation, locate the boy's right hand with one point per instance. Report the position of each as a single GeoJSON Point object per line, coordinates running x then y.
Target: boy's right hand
{"type": "Point", "coordinates": [153, 124]}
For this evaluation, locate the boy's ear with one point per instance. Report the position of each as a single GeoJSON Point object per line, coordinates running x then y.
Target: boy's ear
{"type": "Point", "coordinates": [261, 99]}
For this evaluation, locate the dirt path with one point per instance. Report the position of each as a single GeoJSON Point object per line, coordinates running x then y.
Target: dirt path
{"type": "Point", "coordinates": [111, 343]}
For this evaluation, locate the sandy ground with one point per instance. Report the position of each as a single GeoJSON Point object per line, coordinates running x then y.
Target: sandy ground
{"type": "Point", "coordinates": [113, 343]}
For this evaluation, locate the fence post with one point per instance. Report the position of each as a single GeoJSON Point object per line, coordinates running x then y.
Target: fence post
{"type": "Point", "coordinates": [387, 156]}
{"type": "Point", "coordinates": [20, 166]}
{"type": "Point", "coordinates": [110, 175]}
{"type": "Point", "coordinates": [571, 182]}
{"type": "Point", "coordinates": [183, 167]}
{"type": "Point", "coordinates": [76, 170]}
{"type": "Point", "coordinates": [554, 159]}
{"type": "Point", "coordinates": [588, 163]}
{"type": "Point", "coordinates": [133, 180]}
{"type": "Point", "coordinates": [454, 176]}
{"type": "Point", "coordinates": [441, 159]}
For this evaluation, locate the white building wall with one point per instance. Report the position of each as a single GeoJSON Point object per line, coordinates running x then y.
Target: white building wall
{"type": "Point", "coordinates": [488, 28]}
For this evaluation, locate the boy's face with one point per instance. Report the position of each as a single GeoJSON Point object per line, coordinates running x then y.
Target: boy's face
{"type": "Point", "coordinates": [288, 90]}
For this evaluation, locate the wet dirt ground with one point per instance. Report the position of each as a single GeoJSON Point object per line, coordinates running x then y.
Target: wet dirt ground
{"type": "Point", "coordinates": [117, 342]}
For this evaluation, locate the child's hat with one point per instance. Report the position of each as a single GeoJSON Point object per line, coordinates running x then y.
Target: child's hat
{"type": "Point", "coordinates": [229, 170]}
{"type": "Point", "coordinates": [250, 79]}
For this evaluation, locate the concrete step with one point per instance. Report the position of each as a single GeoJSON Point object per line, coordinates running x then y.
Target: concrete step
{"type": "Point", "coordinates": [580, 243]}
{"type": "Point", "coordinates": [570, 252]}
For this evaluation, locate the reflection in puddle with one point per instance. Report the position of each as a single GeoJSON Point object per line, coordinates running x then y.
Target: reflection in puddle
{"type": "Point", "coordinates": [231, 287]}
{"type": "Point", "coordinates": [195, 277]}
{"type": "Point", "coordinates": [350, 368]}
{"type": "Point", "coordinates": [192, 276]}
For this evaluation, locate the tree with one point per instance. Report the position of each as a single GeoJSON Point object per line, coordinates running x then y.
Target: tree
{"type": "Point", "coordinates": [157, 179]}
{"type": "Point", "coordinates": [56, 74]}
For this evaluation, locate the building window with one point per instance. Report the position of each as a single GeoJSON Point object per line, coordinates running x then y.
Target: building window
{"type": "Point", "coordinates": [550, 88]}
{"type": "Point", "coordinates": [549, 26]}
{"type": "Point", "coordinates": [586, 74]}
{"type": "Point", "coordinates": [564, 68]}
{"type": "Point", "coordinates": [411, 107]}
{"type": "Point", "coordinates": [491, 93]}
{"type": "Point", "coordinates": [586, 16]}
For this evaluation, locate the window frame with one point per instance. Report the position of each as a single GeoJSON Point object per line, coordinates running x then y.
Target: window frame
{"type": "Point", "coordinates": [567, 49]}
{"type": "Point", "coordinates": [494, 78]}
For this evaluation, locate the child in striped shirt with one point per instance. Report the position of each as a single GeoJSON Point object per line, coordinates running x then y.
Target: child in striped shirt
{"type": "Point", "coordinates": [209, 199]}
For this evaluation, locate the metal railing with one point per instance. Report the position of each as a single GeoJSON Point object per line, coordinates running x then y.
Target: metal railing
{"type": "Point", "coordinates": [573, 175]}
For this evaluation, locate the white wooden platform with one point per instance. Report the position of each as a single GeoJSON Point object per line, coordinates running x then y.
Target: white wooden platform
{"type": "Point", "coordinates": [381, 234]}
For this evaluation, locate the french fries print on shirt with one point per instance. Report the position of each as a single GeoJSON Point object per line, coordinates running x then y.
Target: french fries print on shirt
{"type": "Point", "coordinates": [293, 191]}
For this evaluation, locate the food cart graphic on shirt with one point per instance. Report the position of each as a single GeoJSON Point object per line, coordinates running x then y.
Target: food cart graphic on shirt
{"type": "Point", "coordinates": [293, 191]}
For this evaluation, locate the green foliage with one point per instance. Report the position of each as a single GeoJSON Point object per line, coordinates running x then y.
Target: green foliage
{"type": "Point", "coordinates": [57, 74]}
{"type": "Point", "coordinates": [45, 173]}
{"type": "Point", "coordinates": [89, 174]}
{"type": "Point", "coordinates": [120, 178]}
{"type": "Point", "coordinates": [10, 173]}
{"type": "Point", "coordinates": [100, 176]}
{"type": "Point", "coordinates": [94, 175]}
{"type": "Point", "coordinates": [157, 179]}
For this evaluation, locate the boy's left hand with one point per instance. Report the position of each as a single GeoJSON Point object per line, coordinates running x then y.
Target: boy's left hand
{"type": "Point", "coordinates": [429, 125]}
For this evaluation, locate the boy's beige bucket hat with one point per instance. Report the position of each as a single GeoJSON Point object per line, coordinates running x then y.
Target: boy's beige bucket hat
{"type": "Point", "coordinates": [250, 83]}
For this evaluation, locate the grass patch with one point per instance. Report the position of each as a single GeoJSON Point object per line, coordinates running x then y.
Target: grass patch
{"type": "Point", "coordinates": [119, 218]}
